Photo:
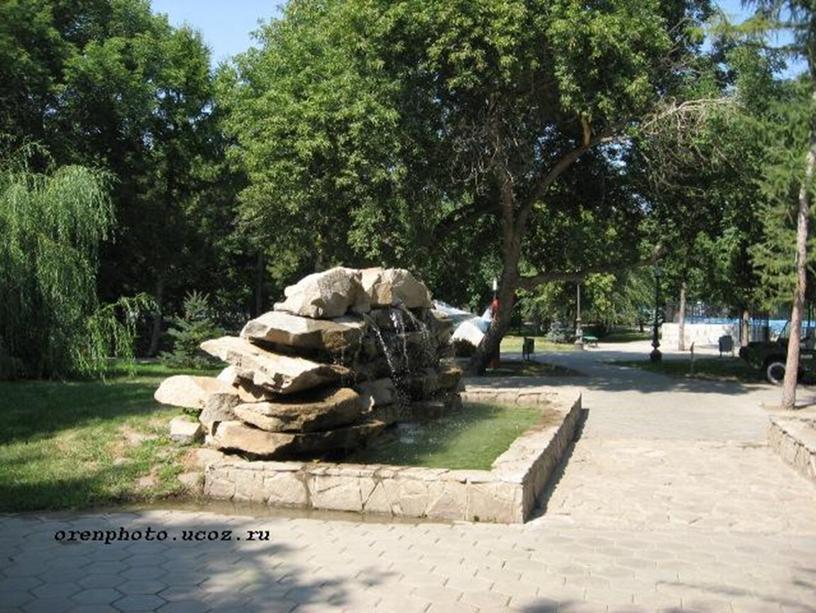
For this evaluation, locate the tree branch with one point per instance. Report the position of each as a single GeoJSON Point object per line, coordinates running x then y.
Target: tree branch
{"type": "Point", "coordinates": [533, 281]}
{"type": "Point", "coordinates": [547, 179]}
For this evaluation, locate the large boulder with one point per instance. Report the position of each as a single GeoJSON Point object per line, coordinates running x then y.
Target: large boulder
{"type": "Point", "coordinates": [390, 286]}
{"type": "Point", "coordinates": [324, 295]}
{"type": "Point", "coordinates": [321, 410]}
{"type": "Point", "coordinates": [282, 374]}
{"type": "Point", "coordinates": [191, 392]}
{"type": "Point", "coordinates": [304, 332]}
{"type": "Point", "coordinates": [236, 436]}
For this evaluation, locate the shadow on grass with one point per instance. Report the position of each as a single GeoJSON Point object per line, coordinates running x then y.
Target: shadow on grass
{"type": "Point", "coordinates": [515, 368]}
{"type": "Point", "coordinates": [31, 410]}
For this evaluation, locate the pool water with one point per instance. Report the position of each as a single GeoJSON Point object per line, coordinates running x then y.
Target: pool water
{"type": "Point", "coordinates": [471, 437]}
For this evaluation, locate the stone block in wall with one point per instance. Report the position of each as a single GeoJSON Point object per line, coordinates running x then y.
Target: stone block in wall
{"type": "Point", "coordinates": [339, 493]}
{"type": "Point", "coordinates": [286, 489]}
{"type": "Point", "coordinates": [447, 500]}
{"type": "Point", "coordinates": [495, 502]}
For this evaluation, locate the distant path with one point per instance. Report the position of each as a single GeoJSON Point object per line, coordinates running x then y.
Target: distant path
{"type": "Point", "coordinates": [670, 501]}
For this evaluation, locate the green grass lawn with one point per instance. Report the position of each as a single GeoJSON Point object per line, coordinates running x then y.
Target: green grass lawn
{"type": "Point", "coordinates": [725, 368]}
{"type": "Point", "coordinates": [469, 438]}
{"type": "Point", "coordinates": [531, 369]}
{"type": "Point", "coordinates": [542, 345]}
{"type": "Point", "coordinates": [78, 444]}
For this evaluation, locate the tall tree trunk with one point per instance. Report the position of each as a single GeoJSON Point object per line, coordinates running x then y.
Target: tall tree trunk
{"type": "Point", "coordinates": [797, 311]}
{"type": "Point", "coordinates": [156, 330]}
{"type": "Point", "coordinates": [501, 319]}
{"type": "Point", "coordinates": [513, 229]}
{"type": "Point", "coordinates": [681, 325]}
{"type": "Point", "coordinates": [745, 328]}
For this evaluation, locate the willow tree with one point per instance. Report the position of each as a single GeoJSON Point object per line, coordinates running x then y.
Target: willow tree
{"type": "Point", "coordinates": [50, 321]}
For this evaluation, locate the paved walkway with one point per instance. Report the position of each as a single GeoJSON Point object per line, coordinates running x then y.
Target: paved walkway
{"type": "Point", "coordinates": [670, 501]}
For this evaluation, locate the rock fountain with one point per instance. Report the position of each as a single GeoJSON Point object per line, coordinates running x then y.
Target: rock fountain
{"type": "Point", "coordinates": [347, 353]}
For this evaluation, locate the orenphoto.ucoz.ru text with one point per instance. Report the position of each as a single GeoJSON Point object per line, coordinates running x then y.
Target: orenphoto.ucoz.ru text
{"type": "Point", "coordinates": [123, 534]}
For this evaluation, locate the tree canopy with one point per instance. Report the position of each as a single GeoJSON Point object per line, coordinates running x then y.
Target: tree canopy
{"type": "Point", "coordinates": [545, 143]}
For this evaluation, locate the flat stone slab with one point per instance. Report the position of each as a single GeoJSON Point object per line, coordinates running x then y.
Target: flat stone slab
{"type": "Point", "coordinates": [282, 374]}
{"type": "Point", "coordinates": [237, 436]}
{"type": "Point", "coordinates": [190, 392]}
{"type": "Point", "coordinates": [319, 410]}
{"type": "Point", "coordinates": [305, 333]}
{"type": "Point", "coordinates": [505, 494]}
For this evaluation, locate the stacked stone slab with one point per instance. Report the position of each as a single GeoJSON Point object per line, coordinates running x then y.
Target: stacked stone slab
{"type": "Point", "coordinates": [344, 355]}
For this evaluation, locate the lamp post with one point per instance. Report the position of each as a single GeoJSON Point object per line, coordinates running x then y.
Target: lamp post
{"type": "Point", "coordinates": [579, 332]}
{"type": "Point", "coordinates": [655, 355]}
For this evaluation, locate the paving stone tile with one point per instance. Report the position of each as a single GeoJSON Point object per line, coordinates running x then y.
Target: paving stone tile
{"type": "Point", "coordinates": [18, 584]}
{"type": "Point", "coordinates": [453, 607]}
{"type": "Point", "coordinates": [96, 581]}
{"type": "Point", "coordinates": [46, 605]}
{"type": "Point", "coordinates": [16, 598]}
{"type": "Point", "coordinates": [485, 600]}
{"type": "Point", "coordinates": [183, 606]}
{"type": "Point", "coordinates": [143, 572]}
{"type": "Point", "coordinates": [469, 584]}
{"type": "Point", "coordinates": [100, 595]}
{"type": "Point", "coordinates": [56, 590]}
{"type": "Point", "coordinates": [142, 586]}
{"type": "Point", "coordinates": [139, 602]}
{"type": "Point", "coordinates": [93, 608]}
{"type": "Point", "coordinates": [532, 604]}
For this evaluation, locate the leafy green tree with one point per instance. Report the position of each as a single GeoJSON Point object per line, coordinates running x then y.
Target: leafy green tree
{"type": "Point", "coordinates": [51, 323]}
{"type": "Point", "coordinates": [108, 84]}
{"type": "Point", "coordinates": [788, 181]}
{"type": "Point", "coordinates": [398, 131]}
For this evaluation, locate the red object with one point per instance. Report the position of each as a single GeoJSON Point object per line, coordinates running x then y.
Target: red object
{"type": "Point", "coordinates": [495, 359]}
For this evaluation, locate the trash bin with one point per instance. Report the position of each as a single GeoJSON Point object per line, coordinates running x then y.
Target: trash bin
{"type": "Point", "coordinates": [726, 344]}
{"type": "Point", "coordinates": [528, 348]}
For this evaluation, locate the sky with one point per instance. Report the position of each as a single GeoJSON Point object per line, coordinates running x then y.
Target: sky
{"type": "Point", "coordinates": [227, 25]}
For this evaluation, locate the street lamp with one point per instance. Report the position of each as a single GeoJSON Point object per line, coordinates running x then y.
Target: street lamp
{"type": "Point", "coordinates": [579, 332]}
{"type": "Point", "coordinates": [655, 355]}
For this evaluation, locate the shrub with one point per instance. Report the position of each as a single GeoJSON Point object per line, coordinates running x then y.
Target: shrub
{"type": "Point", "coordinates": [195, 326]}
{"type": "Point", "coordinates": [560, 333]}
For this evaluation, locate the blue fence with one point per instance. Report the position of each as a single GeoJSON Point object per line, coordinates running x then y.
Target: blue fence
{"type": "Point", "coordinates": [775, 325]}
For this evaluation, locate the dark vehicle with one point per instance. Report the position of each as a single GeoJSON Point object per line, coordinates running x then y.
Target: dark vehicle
{"type": "Point", "coordinates": [770, 357]}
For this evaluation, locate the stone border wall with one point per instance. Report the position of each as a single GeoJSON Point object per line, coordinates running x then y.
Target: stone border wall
{"type": "Point", "coordinates": [505, 494]}
{"type": "Point", "coordinates": [794, 439]}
